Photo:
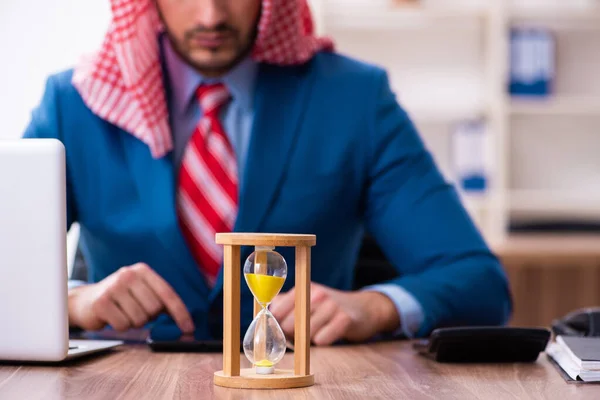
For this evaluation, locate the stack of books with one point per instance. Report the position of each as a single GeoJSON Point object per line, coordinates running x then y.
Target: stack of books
{"type": "Point", "coordinates": [579, 357]}
{"type": "Point", "coordinates": [471, 155]}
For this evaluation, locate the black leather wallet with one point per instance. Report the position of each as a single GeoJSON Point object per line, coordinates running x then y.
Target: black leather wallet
{"type": "Point", "coordinates": [484, 344]}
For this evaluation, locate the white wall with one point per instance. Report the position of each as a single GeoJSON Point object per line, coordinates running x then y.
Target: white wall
{"type": "Point", "coordinates": [38, 38]}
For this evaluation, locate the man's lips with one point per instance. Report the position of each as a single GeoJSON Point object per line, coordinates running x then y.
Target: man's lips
{"type": "Point", "coordinates": [211, 40]}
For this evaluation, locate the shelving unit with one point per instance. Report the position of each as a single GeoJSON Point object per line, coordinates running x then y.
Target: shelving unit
{"type": "Point", "coordinates": [556, 179]}
{"type": "Point", "coordinates": [448, 62]}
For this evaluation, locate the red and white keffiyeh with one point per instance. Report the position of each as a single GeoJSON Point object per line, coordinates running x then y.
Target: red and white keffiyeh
{"type": "Point", "coordinates": [122, 82]}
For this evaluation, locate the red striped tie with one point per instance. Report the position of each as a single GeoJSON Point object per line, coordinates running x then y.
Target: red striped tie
{"type": "Point", "coordinates": [207, 197]}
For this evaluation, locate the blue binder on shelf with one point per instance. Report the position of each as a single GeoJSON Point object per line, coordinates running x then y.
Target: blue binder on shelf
{"type": "Point", "coordinates": [470, 155]}
{"type": "Point", "coordinates": [532, 62]}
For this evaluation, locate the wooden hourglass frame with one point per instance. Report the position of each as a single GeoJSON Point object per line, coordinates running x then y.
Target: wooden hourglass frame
{"type": "Point", "coordinates": [232, 376]}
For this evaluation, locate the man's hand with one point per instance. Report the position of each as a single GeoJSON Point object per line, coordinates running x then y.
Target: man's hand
{"type": "Point", "coordinates": [126, 299]}
{"type": "Point", "coordinates": [355, 316]}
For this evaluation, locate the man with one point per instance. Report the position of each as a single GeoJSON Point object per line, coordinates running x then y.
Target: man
{"type": "Point", "coordinates": [204, 116]}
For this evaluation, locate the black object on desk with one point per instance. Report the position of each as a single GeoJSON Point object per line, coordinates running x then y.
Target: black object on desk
{"type": "Point", "coordinates": [185, 344]}
{"type": "Point", "coordinates": [581, 322]}
{"type": "Point", "coordinates": [484, 344]}
{"type": "Point", "coordinates": [168, 338]}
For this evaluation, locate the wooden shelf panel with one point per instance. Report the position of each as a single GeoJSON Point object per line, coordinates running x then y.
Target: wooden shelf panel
{"type": "Point", "coordinates": [403, 17]}
{"type": "Point", "coordinates": [447, 114]}
{"type": "Point", "coordinates": [558, 18]}
{"type": "Point", "coordinates": [560, 13]}
{"type": "Point", "coordinates": [549, 245]}
{"type": "Point", "coordinates": [558, 105]}
{"type": "Point", "coordinates": [559, 204]}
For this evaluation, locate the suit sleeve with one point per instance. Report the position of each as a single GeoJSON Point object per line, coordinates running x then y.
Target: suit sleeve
{"type": "Point", "coordinates": [423, 229]}
{"type": "Point", "coordinates": [46, 123]}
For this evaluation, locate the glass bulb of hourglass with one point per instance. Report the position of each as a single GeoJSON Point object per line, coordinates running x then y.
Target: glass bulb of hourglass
{"type": "Point", "coordinates": [265, 271]}
{"type": "Point", "coordinates": [264, 342]}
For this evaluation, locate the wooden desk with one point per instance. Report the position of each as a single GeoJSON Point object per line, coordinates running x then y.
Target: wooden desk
{"type": "Point", "coordinates": [379, 371]}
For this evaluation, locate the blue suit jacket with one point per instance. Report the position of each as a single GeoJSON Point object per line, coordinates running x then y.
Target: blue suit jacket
{"type": "Point", "coordinates": [331, 153]}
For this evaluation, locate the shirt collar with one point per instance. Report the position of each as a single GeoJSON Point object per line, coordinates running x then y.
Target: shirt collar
{"type": "Point", "coordinates": [184, 79]}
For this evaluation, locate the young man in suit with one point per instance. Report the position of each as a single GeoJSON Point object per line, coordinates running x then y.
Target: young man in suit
{"type": "Point", "coordinates": [204, 116]}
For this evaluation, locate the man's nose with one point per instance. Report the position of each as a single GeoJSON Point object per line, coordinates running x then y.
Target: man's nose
{"type": "Point", "coordinates": [211, 13]}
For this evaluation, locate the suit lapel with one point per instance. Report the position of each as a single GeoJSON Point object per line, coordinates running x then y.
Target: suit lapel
{"type": "Point", "coordinates": [155, 182]}
{"type": "Point", "coordinates": [281, 99]}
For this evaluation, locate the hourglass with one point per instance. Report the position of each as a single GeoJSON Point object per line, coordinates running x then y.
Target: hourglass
{"type": "Point", "coordinates": [265, 272]}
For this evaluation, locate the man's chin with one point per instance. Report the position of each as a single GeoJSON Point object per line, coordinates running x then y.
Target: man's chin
{"type": "Point", "coordinates": [214, 63]}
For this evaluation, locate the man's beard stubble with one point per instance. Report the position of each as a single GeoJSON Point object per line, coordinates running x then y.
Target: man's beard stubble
{"type": "Point", "coordinates": [241, 49]}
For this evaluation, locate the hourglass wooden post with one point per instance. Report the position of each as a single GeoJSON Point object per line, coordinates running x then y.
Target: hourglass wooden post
{"type": "Point", "coordinates": [231, 375]}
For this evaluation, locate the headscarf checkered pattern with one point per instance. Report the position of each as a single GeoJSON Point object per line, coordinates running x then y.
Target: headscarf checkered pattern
{"type": "Point", "coordinates": [122, 82]}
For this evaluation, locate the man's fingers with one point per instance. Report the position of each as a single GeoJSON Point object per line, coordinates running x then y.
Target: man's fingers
{"type": "Point", "coordinates": [146, 297]}
{"type": "Point", "coordinates": [131, 308]}
{"type": "Point", "coordinates": [334, 330]}
{"type": "Point", "coordinates": [318, 293]}
{"type": "Point", "coordinates": [287, 324]}
{"type": "Point", "coordinates": [282, 305]}
{"type": "Point", "coordinates": [321, 314]}
{"type": "Point", "coordinates": [110, 313]}
{"type": "Point", "coordinates": [168, 297]}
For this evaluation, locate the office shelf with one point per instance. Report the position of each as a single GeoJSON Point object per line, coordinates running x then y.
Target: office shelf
{"type": "Point", "coordinates": [562, 17]}
{"type": "Point", "coordinates": [572, 246]}
{"type": "Point", "coordinates": [402, 17]}
{"type": "Point", "coordinates": [555, 204]}
{"type": "Point", "coordinates": [449, 113]}
{"type": "Point", "coordinates": [560, 105]}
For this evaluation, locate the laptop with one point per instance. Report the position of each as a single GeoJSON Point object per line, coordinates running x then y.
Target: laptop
{"type": "Point", "coordinates": [33, 261]}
